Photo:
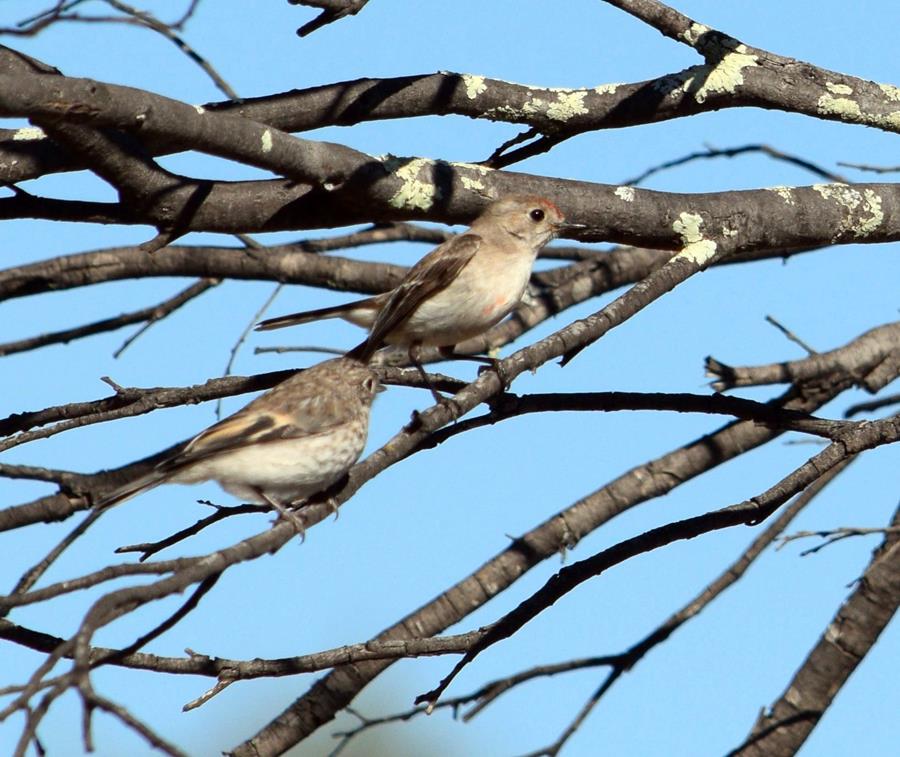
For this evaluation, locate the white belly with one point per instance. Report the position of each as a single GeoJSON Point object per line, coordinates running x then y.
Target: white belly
{"type": "Point", "coordinates": [286, 471]}
{"type": "Point", "coordinates": [470, 305]}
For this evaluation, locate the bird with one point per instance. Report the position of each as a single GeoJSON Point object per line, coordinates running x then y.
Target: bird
{"type": "Point", "coordinates": [459, 289]}
{"type": "Point", "coordinates": [295, 440]}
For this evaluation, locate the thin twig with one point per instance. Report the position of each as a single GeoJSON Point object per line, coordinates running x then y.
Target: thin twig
{"type": "Point", "coordinates": [870, 168]}
{"type": "Point", "coordinates": [877, 404]}
{"type": "Point", "coordinates": [167, 307]}
{"type": "Point", "coordinates": [148, 315]}
{"type": "Point", "coordinates": [730, 152]}
{"type": "Point", "coordinates": [243, 336]}
{"type": "Point", "coordinates": [300, 348]}
{"type": "Point", "coordinates": [749, 512]}
{"type": "Point", "coordinates": [791, 335]}
{"type": "Point", "coordinates": [623, 661]}
{"type": "Point", "coordinates": [834, 535]}
{"type": "Point", "coordinates": [31, 576]}
{"type": "Point", "coordinates": [166, 30]}
{"type": "Point", "coordinates": [148, 549]}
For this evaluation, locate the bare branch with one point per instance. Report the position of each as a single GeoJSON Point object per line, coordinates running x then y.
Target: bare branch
{"type": "Point", "coordinates": [833, 535]}
{"type": "Point", "coordinates": [867, 407]}
{"type": "Point", "coordinates": [511, 406]}
{"type": "Point", "coordinates": [560, 531]}
{"type": "Point", "coordinates": [711, 153]}
{"type": "Point", "coordinates": [783, 728]}
{"type": "Point", "coordinates": [332, 10]}
{"type": "Point", "coordinates": [621, 662]}
{"type": "Point", "coordinates": [880, 345]}
{"type": "Point", "coordinates": [166, 307]}
{"type": "Point", "coordinates": [871, 169]}
{"type": "Point", "coordinates": [150, 21]}
{"type": "Point", "coordinates": [749, 512]}
{"type": "Point", "coordinates": [791, 335]}
{"type": "Point", "coordinates": [626, 661]}
{"type": "Point", "coordinates": [149, 316]}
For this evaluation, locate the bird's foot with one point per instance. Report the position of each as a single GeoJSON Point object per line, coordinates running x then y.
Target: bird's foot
{"type": "Point", "coordinates": [496, 366]}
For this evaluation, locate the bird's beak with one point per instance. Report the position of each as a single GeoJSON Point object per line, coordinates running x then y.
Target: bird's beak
{"type": "Point", "coordinates": [566, 226]}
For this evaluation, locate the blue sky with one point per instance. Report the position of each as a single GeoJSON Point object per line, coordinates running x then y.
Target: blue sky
{"type": "Point", "coordinates": [431, 520]}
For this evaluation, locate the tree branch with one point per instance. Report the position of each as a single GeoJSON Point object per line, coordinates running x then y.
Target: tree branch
{"type": "Point", "coordinates": [880, 345]}
{"type": "Point", "coordinates": [784, 727]}
{"type": "Point", "coordinates": [560, 531]}
{"type": "Point", "coordinates": [749, 512]}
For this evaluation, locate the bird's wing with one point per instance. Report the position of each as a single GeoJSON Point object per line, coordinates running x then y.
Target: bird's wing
{"type": "Point", "coordinates": [431, 274]}
{"type": "Point", "coordinates": [289, 416]}
{"type": "Point", "coordinates": [293, 409]}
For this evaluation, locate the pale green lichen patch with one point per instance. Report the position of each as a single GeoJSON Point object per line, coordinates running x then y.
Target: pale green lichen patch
{"type": "Point", "coordinates": [727, 232]}
{"type": "Point", "coordinates": [266, 141]}
{"type": "Point", "coordinates": [784, 193]}
{"type": "Point", "coordinates": [673, 84]}
{"type": "Point", "coordinates": [625, 193]}
{"type": "Point", "coordinates": [842, 193]}
{"type": "Point", "coordinates": [474, 85]}
{"type": "Point", "coordinates": [699, 253]}
{"type": "Point", "coordinates": [693, 34]}
{"type": "Point", "coordinates": [843, 107]}
{"type": "Point", "coordinates": [472, 183]}
{"type": "Point", "coordinates": [725, 77]}
{"type": "Point", "coordinates": [534, 106]}
{"type": "Point", "coordinates": [568, 105]}
{"type": "Point", "coordinates": [863, 213]}
{"type": "Point", "coordinates": [872, 204]}
{"type": "Point", "coordinates": [687, 226]}
{"type": "Point", "coordinates": [889, 121]}
{"type": "Point", "coordinates": [483, 170]}
{"type": "Point", "coordinates": [838, 89]}
{"type": "Point", "coordinates": [413, 193]}
{"type": "Point", "coordinates": [506, 113]}
{"type": "Point", "coordinates": [607, 89]}
{"type": "Point", "coordinates": [890, 91]}
{"type": "Point", "coordinates": [697, 249]}
{"type": "Point", "coordinates": [28, 134]}
{"type": "Point", "coordinates": [849, 110]}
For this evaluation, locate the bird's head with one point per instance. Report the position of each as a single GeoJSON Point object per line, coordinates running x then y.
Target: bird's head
{"type": "Point", "coordinates": [535, 220]}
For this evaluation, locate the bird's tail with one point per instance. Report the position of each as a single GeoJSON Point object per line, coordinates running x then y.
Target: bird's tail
{"type": "Point", "coordinates": [363, 351]}
{"type": "Point", "coordinates": [129, 490]}
{"type": "Point", "coordinates": [305, 316]}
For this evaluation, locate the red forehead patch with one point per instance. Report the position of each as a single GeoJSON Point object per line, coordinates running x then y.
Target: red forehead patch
{"type": "Point", "coordinates": [547, 204]}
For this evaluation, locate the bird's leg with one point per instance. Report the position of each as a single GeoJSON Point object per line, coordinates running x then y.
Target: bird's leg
{"type": "Point", "coordinates": [331, 493]}
{"type": "Point", "coordinates": [414, 359]}
{"type": "Point", "coordinates": [284, 513]}
{"type": "Point", "coordinates": [487, 362]}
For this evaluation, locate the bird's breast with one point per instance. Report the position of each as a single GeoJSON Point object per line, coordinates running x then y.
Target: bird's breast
{"type": "Point", "coordinates": [287, 470]}
{"type": "Point", "coordinates": [484, 293]}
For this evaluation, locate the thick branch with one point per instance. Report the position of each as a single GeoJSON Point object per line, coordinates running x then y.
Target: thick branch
{"type": "Point", "coordinates": [879, 349]}
{"type": "Point", "coordinates": [759, 79]}
{"type": "Point", "coordinates": [560, 531]}
{"type": "Point", "coordinates": [784, 727]}
{"type": "Point", "coordinates": [749, 512]}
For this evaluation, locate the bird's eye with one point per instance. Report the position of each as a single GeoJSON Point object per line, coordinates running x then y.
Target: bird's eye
{"type": "Point", "coordinates": [372, 386]}
{"type": "Point", "coordinates": [537, 215]}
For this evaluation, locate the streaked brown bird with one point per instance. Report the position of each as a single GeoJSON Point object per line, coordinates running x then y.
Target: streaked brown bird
{"type": "Point", "coordinates": [458, 290]}
{"type": "Point", "coordinates": [295, 440]}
